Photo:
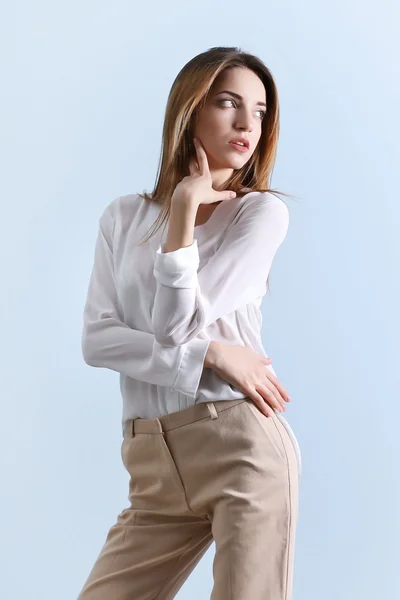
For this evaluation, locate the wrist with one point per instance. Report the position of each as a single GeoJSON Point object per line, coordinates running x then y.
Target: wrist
{"type": "Point", "coordinates": [212, 354]}
{"type": "Point", "coordinates": [181, 224]}
{"type": "Point", "coordinates": [184, 202]}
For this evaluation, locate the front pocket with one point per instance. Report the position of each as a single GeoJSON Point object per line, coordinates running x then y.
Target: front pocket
{"type": "Point", "coordinates": [171, 461]}
{"type": "Point", "coordinates": [270, 428]}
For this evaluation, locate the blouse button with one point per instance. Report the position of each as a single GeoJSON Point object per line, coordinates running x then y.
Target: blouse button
{"type": "Point", "coordinates": [171, 389]}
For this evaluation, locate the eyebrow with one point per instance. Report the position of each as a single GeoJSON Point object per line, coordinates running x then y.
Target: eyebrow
{"type": "Point", "coordinates": [239, 97]}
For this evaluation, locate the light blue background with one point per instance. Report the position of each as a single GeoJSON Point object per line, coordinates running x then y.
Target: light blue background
{"type": "Point", "coordinates": [84, 91]}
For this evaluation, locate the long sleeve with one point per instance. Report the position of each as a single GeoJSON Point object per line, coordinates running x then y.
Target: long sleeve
{"type": "Point", "coordinates": [110, 343]}
{"type": "Point", "coordinates": [187, 301]}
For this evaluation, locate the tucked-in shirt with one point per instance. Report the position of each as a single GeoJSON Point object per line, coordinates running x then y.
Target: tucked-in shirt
{"type": "Point", "coordinates": [150, 315]}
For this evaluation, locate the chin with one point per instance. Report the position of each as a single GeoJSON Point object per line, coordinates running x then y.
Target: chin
{"type": "Point", "coordinates": [235, 164]}
{"type": "Point", "coordinates": [229, 162]}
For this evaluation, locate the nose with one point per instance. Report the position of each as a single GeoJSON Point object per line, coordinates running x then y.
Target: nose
{"type": "Point", "coordinates": [244, 126]}
{"type": "Point", "coordinates": [244, 121]}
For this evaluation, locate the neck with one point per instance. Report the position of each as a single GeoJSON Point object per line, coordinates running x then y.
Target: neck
{"type": "Point", "coordinates": [220, 177]}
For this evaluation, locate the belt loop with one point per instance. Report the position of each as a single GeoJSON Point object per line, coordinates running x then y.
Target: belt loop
{"type": "Point", "coordinates": [213, 410]}
{"type": "Point", "coordinates": [159, 426]}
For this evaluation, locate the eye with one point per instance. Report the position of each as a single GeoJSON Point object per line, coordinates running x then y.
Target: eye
{"type": "Point", "coordinates": [263, 113]}
{"type": "Point", "coordinates": [226, 100]}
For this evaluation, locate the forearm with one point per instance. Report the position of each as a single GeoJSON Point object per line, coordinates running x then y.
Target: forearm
{"type": "Point", "coordinates": [189, 298]}
{"type": "Point", "coordinates": [111, 344]}
{"type": "Point", "coordinates": [181, 225]}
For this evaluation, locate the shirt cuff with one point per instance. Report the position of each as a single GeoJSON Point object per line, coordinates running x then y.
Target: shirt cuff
{"type": "Point", "coordinates": [177, 269]}
{"type": "Point", "coordinates": [191, 368]}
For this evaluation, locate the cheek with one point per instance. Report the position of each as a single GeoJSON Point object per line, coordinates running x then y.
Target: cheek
{"type": "Point", "coordinates": [213, 120]}
{"type": "Point", "coordinates": [213, 125]}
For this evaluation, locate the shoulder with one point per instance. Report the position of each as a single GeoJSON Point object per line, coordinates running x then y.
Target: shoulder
{"type": "Point", "coordinates": [268, 198]}
{"type": "Point", "coordinates": [265, 204]}
{"type": "Point", "coordinates": [128, 203]}
{"type": "Point", "coordinates": [264, 216]}
{"type": "Point", "coordinates": [108, 212]}
{"type": "Point", "coordinates": [107, 217]}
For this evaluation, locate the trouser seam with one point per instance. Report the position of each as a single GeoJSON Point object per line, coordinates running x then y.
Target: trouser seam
{"type": "Point", "coordinates": [290, 511]}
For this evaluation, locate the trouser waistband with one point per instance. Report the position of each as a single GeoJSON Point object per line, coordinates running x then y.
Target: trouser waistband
{"type": "Point", "coordinates": [179, 418]}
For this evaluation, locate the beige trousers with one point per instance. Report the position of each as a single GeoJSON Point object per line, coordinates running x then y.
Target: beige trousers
{"type": "Point", "coordinates": [217, 471]}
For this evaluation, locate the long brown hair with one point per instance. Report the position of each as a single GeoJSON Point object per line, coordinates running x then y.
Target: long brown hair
{"type": "Point", "coordinates": [188, 92]}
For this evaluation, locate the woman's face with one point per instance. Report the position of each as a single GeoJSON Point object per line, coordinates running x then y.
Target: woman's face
{"type": "Point", "coordinates": [225, 116]}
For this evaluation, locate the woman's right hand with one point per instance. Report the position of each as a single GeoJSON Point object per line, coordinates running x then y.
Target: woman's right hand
{"type": "Point", "coordinates": [246, 369]}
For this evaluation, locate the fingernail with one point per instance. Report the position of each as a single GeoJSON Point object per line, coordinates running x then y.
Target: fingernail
{"type": "Point", "coordinates": [232, 194]}
{"type": "Point", "coordinates": [195, 140]}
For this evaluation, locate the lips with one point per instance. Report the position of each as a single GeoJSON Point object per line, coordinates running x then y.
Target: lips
{"type": "Point", "coordinates": [238, 147]}
{"type": "Point", "coordinates": [244, 141]}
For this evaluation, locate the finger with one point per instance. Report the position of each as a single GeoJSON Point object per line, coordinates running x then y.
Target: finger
{"type": "Point", "coordinates": [225, 195]}
{"type": "Point", "coordinates": [284, 393]}
{"type": "Point", "coordinates": [274, 395]}
{"type": "Point", "coordinates": [259, 401]}
{"type": "Point", "coordinates": [201, 157]}
{"type": "Point", "coordinates": [193, 167]}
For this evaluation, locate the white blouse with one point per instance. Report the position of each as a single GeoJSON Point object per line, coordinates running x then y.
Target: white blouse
{"type": "Point", "coordinates": [151, 316]}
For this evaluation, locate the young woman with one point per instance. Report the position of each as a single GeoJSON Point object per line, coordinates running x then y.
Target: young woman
{"type": "Point", "coordinates": [209, 455]}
